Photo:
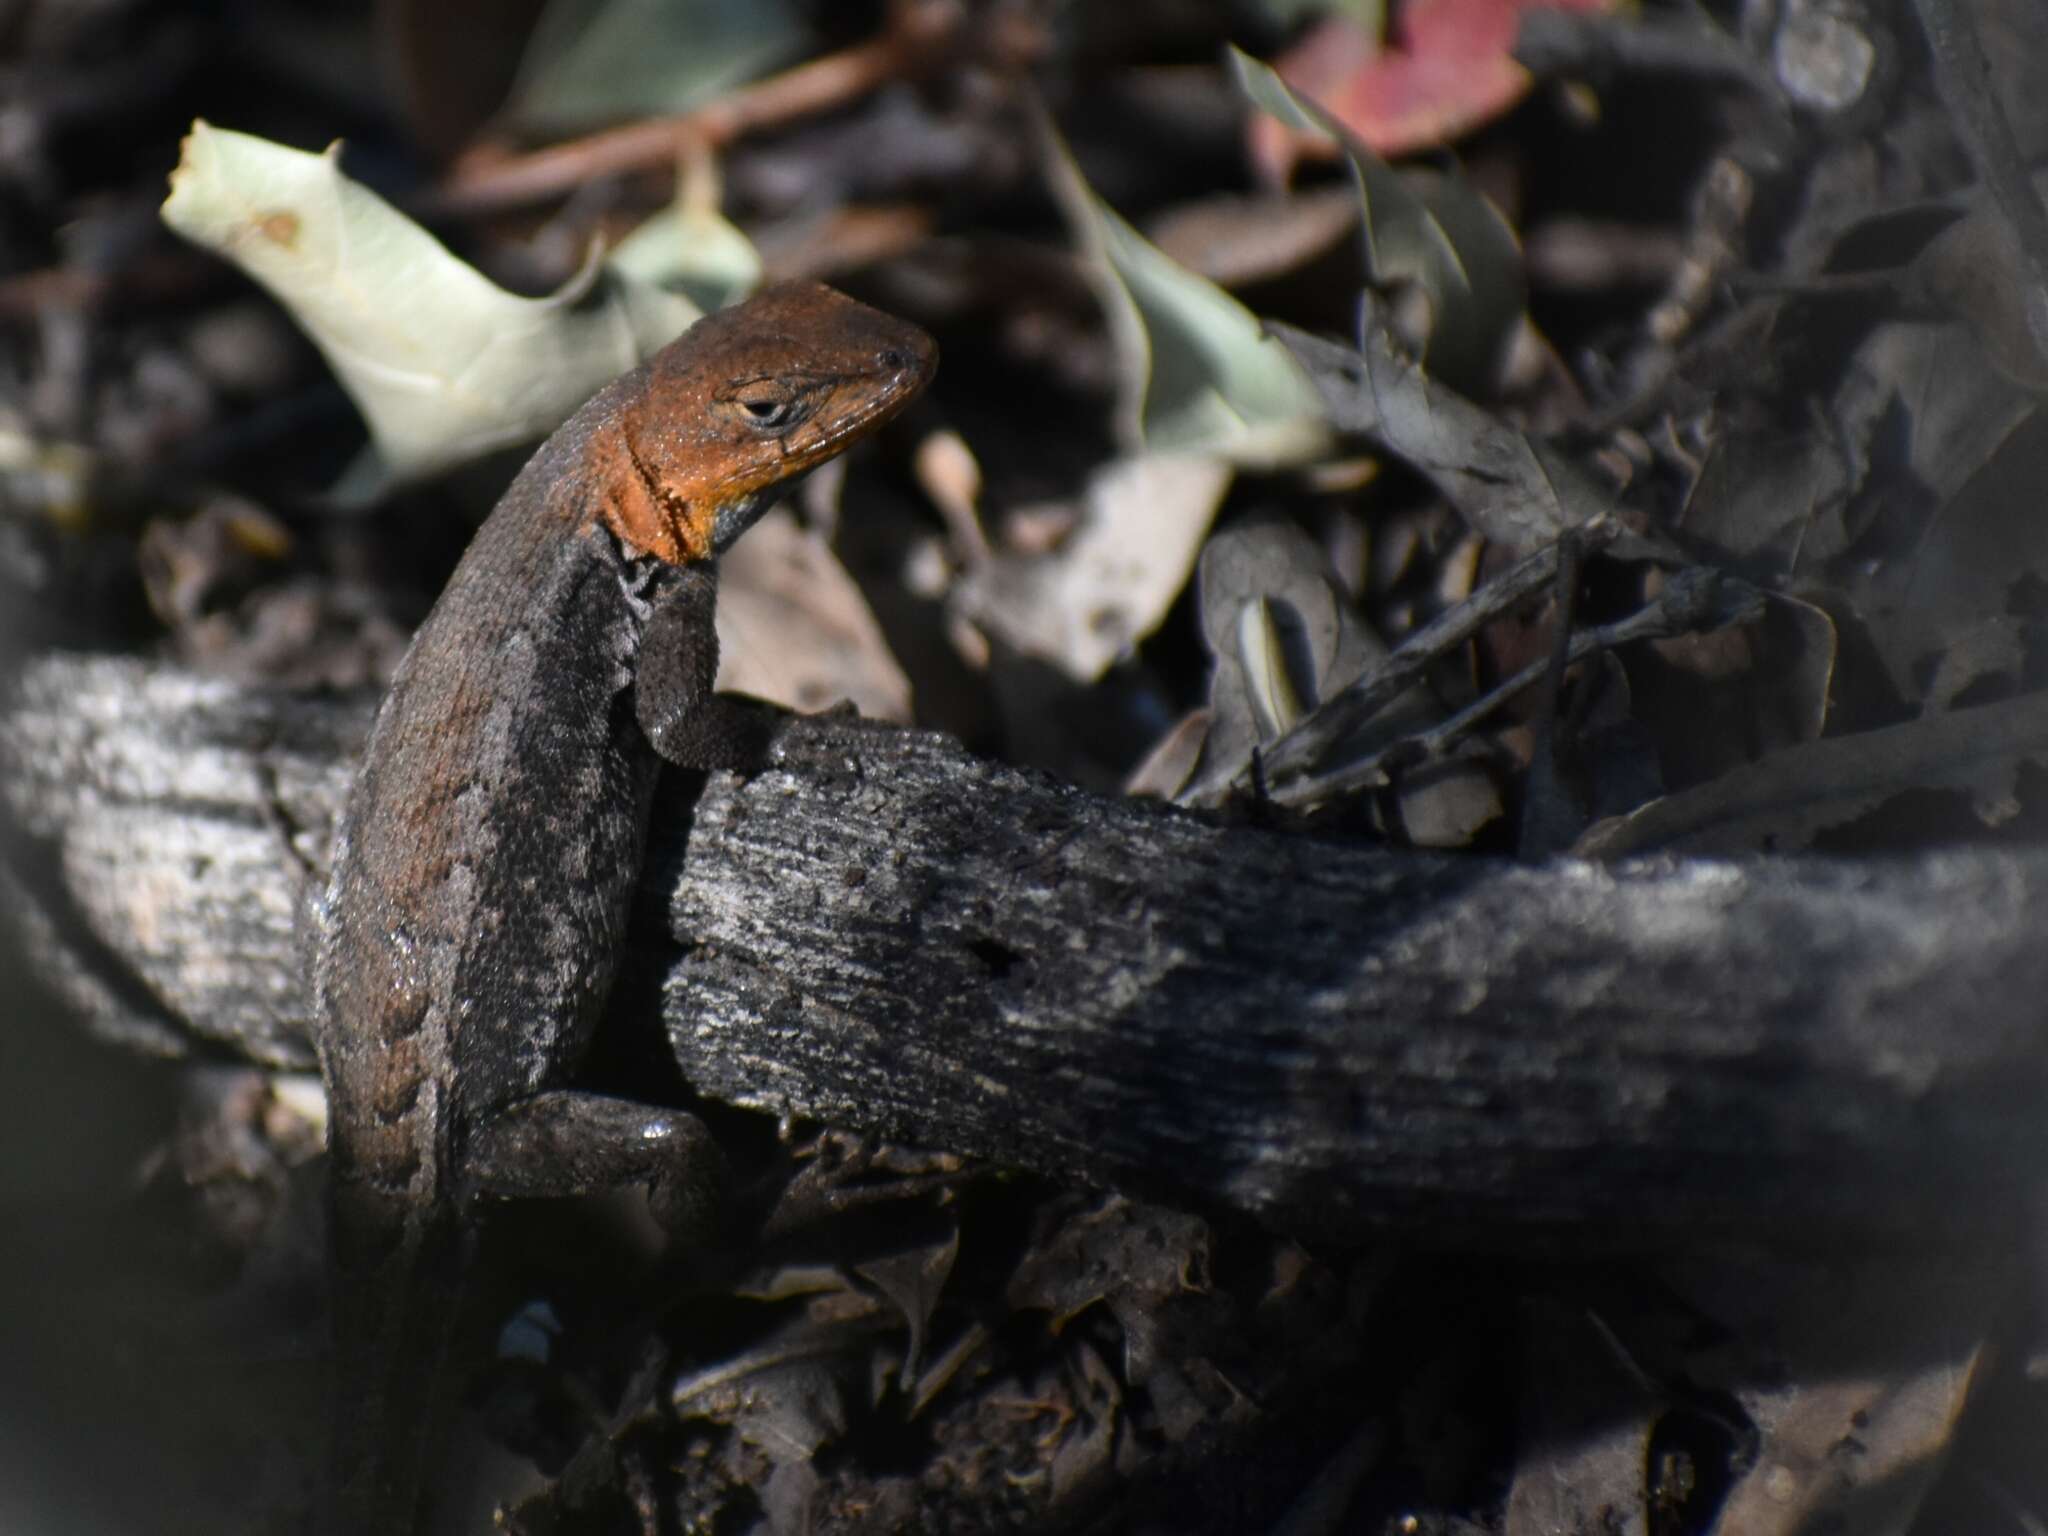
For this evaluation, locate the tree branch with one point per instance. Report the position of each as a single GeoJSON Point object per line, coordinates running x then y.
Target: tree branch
{"type": "Point", "coordinates": [883, 932]}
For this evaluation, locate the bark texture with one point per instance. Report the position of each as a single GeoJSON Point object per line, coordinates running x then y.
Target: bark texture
{"type": "Point", "coordinates": [884, 932]}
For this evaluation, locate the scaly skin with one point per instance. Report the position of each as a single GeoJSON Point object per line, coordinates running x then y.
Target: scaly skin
{"type": "Point", "coordinates": [492, 842]}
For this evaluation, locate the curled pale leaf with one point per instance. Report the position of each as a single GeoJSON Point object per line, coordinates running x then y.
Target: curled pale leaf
{"type": "Point", "coordinates": [1280, 635]}
{"type": "Point", "coordinates": [1262, 653]}
{"type": "Point", "coordinates": [1196, 374]}
{"type": "Point", "coordinates": [444, 364]}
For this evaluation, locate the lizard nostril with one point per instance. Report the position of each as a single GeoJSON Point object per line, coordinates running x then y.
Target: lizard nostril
{"type": "Point", "coordinates": [893, 360]}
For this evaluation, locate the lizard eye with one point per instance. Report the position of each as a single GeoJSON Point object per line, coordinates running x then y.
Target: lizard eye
{"type": "Point", "coordinates": [765, 406]}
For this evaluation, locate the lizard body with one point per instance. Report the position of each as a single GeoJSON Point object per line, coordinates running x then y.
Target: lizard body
{"type": "Point", "coordinates": [488, 853]}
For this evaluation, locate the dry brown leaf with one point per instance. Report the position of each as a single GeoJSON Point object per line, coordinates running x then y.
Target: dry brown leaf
{"type": "Point", "coordinates": [793, 628]}
{"type": "Point", "coordinates": [1855, 1376]}
{"type": "Point", "coordinates": [1506, 484]}
{"type": "Point", "coordinates": [1111, 582]}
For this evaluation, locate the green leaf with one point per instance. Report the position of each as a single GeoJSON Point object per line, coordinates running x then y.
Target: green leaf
{"type": "Point", "coordinates": [1196, 374]}
{"type": "Point", "coordinates": [591, 62]}
{"type": "Point", "coordinates": [1433, 231]}
{"type": "Point", "coordinates": [444, 364]}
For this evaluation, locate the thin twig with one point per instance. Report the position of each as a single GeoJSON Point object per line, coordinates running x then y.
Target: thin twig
{"type": "Point", "coordinates": [1343, 713]}
{"type": "Point", "coordinates": [1695, 599]}
{"type": "Point", "coordinates": [918, 33]}
{"type": "Point", "coordinates": [1540, 804]}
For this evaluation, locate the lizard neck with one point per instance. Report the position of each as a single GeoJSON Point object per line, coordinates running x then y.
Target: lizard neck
{"type": "Point", "coordinates": [646, 514]}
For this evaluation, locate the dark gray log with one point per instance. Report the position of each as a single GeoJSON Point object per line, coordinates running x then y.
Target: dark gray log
{"type": "Point", "coordinates": [883, 932]}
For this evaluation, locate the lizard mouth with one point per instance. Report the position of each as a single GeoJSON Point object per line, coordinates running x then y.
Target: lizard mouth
{"type": "Point", "coordinates": [879, 395]}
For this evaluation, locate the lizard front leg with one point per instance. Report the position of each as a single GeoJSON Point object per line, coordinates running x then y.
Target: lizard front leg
{"type": "Point", "coordinates": [688, 723]}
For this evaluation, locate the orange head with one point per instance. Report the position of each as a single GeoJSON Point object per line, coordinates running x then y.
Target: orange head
{"type": "Point", "coordinates": [744, 401]}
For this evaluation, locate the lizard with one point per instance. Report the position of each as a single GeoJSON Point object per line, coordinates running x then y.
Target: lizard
{"type": "Point", "coordinates": [488, 850]}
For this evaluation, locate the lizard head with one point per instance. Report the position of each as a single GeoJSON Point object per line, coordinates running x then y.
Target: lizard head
{"type": "Point", "coordinates": [743, 403]}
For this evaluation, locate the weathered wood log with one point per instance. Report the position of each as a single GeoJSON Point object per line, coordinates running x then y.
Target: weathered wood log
{"type": "Point", "coordinates": [883, 932]}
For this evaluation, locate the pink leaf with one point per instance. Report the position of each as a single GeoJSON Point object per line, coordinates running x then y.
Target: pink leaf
{"type": "Point", "coordinates": [1448, 68]}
